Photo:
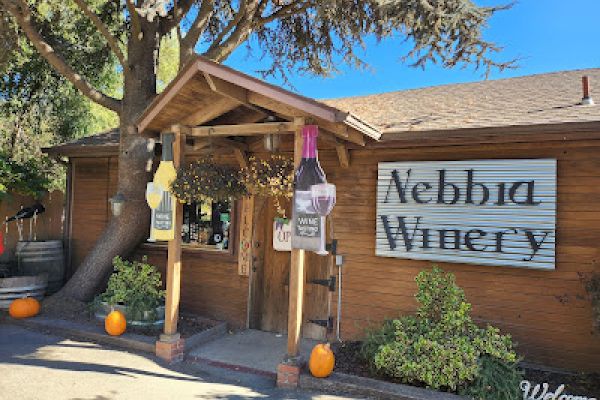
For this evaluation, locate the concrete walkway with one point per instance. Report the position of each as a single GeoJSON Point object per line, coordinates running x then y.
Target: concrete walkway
{"type": "Point", "coordinates": [38, 366]}
{"type": "Point", "coordinates": [251, 349]}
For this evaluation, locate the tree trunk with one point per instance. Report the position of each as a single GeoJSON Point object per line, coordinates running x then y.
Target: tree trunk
{"type": "Point", "coordinates": [125, 232]}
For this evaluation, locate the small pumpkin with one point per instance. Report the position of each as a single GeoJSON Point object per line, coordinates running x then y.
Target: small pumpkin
{"type": "Point", "coordinates": [24, 308]}
{"type": "Point", "coordinates": [34, 305]}
{"type": "Point", "coordinates": [115, 323]}
{"type": "Point", "coordinates": [321, 361]}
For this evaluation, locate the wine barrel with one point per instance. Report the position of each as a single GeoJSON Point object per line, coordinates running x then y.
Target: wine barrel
{"type": "Point", "coordinates": [41, 257]}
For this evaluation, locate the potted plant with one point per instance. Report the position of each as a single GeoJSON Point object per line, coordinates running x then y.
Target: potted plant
{"type": "Point", "coordinates": [134, 288]}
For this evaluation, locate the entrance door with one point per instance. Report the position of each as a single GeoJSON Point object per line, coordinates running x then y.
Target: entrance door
{"type": "Point", "coordinates": [270, 280]}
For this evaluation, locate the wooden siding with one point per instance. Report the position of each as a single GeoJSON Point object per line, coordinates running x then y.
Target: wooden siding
{"type": "Point", "coordinates": [89, 206]}
{"type": "Point", "coordinates": [547, 312]}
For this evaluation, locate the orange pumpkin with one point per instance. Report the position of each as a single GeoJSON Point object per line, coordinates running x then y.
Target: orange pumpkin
{"type": "Point", "coordinates": [34, 306]}
{"type": "Point", "coordinates": [321, 361]}
{"type": "Point", "coordinates": [115, 323]}
{"type": "Point", "coordinates": [24, 308]}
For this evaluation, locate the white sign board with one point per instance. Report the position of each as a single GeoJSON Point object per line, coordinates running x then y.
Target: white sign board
{"type": "Point", "coordinates": [487, 212]}
{"type": "Point", "coordinates": [282, 235]}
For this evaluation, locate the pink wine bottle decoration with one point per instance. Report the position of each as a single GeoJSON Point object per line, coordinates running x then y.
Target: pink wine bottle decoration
{"type": "Point", "coordinates": [307, 229]}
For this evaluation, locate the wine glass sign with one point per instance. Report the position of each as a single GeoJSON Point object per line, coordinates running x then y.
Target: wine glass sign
{"type": "Point", "coordinates": [308, 221]}
{"type": "Point", "coordinates": [323, 200]}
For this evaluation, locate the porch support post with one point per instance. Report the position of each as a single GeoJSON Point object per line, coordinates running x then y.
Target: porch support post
{"type": "Point", "coordinates": [288, 372]}
{"type": "Point", "coordinates": [170, 346]}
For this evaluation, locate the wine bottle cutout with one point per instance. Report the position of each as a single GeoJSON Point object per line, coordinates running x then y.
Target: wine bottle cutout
{"type": "Point", "coordinates": [164, 214]}
{"type": "Point", "coordinates": [307, 227]}
{"type": "Point", "coordinates": [166, 173]}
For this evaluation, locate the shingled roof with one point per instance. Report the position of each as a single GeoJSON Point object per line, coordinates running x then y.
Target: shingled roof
{"type": "Point", "coordinates": [551, 98]}
{"type": "Point", "coordinates": [103, 142]}
{"type": "Point", "coordinates": [543, 99]}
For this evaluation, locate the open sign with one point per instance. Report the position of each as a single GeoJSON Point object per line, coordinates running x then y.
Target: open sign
{"type": "Point", "coordinates": [282, 235]}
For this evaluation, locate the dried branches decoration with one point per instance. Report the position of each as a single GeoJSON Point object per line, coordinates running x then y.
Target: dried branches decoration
{"type": "Point", "coordinates": [205, 180]}
{"type": "Point", "coordinates": [271, 177]}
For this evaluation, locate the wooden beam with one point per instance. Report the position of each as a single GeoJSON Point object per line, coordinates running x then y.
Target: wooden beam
{"type": "Point", "coordinates": [297, 274]}
{"type": "Point", "coordinates": [343, 154]}
{"type": "Point", "coordinates": [173, 286]}
{"type": "Point", "coordinates": [227, 89]}
{"type": "Point", "coordinates": [241, 157]}
{"type": "Point", "coordinates": [265, 128]}
{"type": "Point", "coordinates": [218, 107]}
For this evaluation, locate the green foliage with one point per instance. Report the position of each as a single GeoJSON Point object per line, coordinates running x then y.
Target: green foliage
{"type": "Point", "coordinates": [271, 177]}
{"type": "Point", "coordinates": [440, 346]}
{"type": "Point", "coordinates": [592, 286]}
{"type": "Point", "coordinates": [29, 178]}
{"type": "Point", "coordinates": [136, 285]}
{"type": "Point", "coordinates": [205, 180]}
{"type": "Point", "coordinates": [497, 380]}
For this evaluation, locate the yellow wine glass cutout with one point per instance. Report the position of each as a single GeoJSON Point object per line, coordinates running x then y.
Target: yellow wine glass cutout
{"type": "Point", "coordinates": [153, 195]}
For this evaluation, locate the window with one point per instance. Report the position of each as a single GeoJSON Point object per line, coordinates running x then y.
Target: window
{"type": "Point", "coordinates": [206, 224]}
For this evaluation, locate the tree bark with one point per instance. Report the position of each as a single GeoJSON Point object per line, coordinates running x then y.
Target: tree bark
{"type": "Point", "coordinates": [125, 232]}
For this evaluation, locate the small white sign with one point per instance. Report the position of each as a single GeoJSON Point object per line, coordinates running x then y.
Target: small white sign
{"type": "Point", "coordinates": [486, 212]}
{"type": "Point", "coordinates": [282, 235]}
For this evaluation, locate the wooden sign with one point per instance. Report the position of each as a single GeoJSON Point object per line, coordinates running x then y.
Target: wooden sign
{"type": "Point", "coordinates": [245, 253]}
{"type": "Point", "coordinates": [282, 235]}
{"type": "Point", "coordinates": [163, 221]}
{"type": "Point", "coordinates": [487, 212]}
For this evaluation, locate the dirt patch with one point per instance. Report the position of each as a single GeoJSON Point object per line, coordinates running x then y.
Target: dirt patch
{"type": "Point", "coordinates": [349, 361]}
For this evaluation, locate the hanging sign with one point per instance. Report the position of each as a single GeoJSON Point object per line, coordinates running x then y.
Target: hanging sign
{"type": "Point", "coordinates": [487, 212]}
{"type": "Point", "coordinates": [282, 235]}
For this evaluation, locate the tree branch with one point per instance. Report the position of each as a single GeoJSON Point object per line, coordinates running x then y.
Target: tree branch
{"type": "Point", "coordinates": [112, 41]}
{"type": "Point", "coordinates": [188, 42]}
{"type": "Point", "coordinates": [177, 13]}
{"type": "Point", "coordinates": [136, 28]}
{"type": "Point", "coordinates": [219, 50]}
{"type": "Point", "coordinates": [19, 9]}
{"type": "Point", "coordinates": [285, 11]}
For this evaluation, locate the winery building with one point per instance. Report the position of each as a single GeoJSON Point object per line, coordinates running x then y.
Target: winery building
{"type": "Point", "coordinates": [497, 182]}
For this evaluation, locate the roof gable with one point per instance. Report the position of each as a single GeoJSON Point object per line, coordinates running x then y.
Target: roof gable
{"type": "Point", "coordinates": [205, 91]}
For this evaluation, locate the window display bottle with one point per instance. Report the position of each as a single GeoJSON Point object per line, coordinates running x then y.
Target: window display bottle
{"type": "Point", "coordinates": [307, 228]}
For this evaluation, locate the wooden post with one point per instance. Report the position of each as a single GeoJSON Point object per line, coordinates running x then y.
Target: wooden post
{"type": "Point", "coordinates": [174, 249]}
{"type": "Point", "coordinates": [297, 274]}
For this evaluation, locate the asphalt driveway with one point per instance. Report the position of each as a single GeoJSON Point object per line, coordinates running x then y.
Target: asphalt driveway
{"type": "Point", "coordinates": [40, 366]}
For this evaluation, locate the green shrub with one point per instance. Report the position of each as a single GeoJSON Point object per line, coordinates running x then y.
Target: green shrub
{"type": "Point", "coordinates": [439, 347]}
{"type": "Point", "coordinates": [497, 380]}
{"type": "Point", "coordinates": [136, 285]}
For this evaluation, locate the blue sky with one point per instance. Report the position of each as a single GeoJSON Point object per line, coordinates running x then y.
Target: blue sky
{"type": "Point", "coordinates": [547, 35]}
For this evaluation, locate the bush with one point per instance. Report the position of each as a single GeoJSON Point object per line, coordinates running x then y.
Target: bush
{"type": "Point", "coordinates": [30, 177]}
{"type": "Point", "coordinates": [497, 380]}
{"type": "Point", "coordinates": [136, 285]}
{"type": "Point", "coordinates": [439, 347]}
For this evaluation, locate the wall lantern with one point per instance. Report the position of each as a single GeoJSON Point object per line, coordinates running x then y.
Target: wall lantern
{"type": "Point", "coordinates": [116, 203]}
{"type": "Point", "coordinates": [271, 141]}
